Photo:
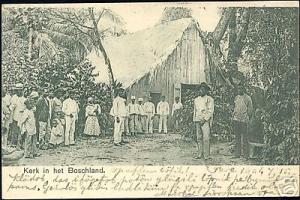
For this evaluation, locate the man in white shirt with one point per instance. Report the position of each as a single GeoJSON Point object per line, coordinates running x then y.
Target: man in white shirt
{"type": "Point", "coordinates": [118, 110]}
{"type": "Point", "coordinates": [142, 116]}
{"type": "Point", "coordinates": [17, 108]}
{"type": "Point", "coordinates": [203, 114]}
{"type": "Point", "coordinates": [70, 109]}
{"type": "Point", "coordinates": [133, 110]}
{"type": "Point", "coordinates": [176, 112]}
{"type": "Point", "coordinates": [149, 109]}
{"type": "Point", "coordinates": [163, 110]}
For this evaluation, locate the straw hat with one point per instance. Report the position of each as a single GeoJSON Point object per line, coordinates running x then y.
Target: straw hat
{"type": "Point", "coordinates": [132, 97]}
{"type": "Point", "coordinates": [140, 99]}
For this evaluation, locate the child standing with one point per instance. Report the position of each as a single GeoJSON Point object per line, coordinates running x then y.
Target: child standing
{"type": "Point", "coordinates": [57, 133]}
{"type": "Point", "coordinates": [27, 124]}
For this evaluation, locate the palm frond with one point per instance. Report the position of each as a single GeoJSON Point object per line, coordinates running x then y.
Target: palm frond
{"type": "Point", "coordinates": [69, 42]}
{"type": "Point", "coordinates": [114, 17]}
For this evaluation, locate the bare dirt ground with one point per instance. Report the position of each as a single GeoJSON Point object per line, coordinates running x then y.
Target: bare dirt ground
{"type": "Point", "coordinates": [154, 149]}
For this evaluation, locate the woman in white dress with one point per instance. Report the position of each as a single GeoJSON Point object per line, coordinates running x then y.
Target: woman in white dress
{"type": "Point", "coordinates": [92, 127]}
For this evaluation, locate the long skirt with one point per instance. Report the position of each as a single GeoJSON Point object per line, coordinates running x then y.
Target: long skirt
{"type": "Point", "coordinates": [92, 127]}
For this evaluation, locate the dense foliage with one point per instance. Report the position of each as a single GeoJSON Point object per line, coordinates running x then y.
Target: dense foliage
{"type": "Point", "coordinates": [269, 61]}
{"type": "Point", "coordinates": [223, 98]}
{"type": "Point", "coordinates": [39, 52]}
{"type": "Point", "coordinates": [60, 71]}
{"type": "Point", "coordinates": [273, 52]}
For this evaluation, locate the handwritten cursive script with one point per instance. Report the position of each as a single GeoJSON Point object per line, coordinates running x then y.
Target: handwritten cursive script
{"type": "Point", "coordinates": [164, 181]}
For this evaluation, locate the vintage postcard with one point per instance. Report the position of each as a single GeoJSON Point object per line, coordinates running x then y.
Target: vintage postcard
{"type": "Point", "coordinates": [182, 99]}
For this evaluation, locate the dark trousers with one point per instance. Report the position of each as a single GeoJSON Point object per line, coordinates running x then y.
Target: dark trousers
{"type": "Point", "coordinates": [15, 136]}
{"type": "Point", "coordinates": [240, 130]}
{"type": "Point", "coordinates": [30, 145]}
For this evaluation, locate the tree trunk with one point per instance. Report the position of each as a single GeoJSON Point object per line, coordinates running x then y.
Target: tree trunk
{"type": "Point", "coordinates": [212, 42]}
{"type": "Point", "coordinates": [236, 43]}
{"type": "Point", "coordinates": [103, 52]}
{"type": "Point", "coordinates": [236, 39]}
{"type": "Point", "coordinates": [231, 64]}
{"type": "Point", "coordinates": [222, 25]}
{"type": "Point", "coordinates": [30, 35]}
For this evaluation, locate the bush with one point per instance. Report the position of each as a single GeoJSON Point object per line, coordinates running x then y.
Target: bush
{"type": "Point", "coordinates": [221, 128]}
{"type": "Point", "coordinates": [61, 72]}
{"type": "Point", "coordinates": [281, 120]}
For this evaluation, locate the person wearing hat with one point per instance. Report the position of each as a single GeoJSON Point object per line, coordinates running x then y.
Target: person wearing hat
{"type": "Point", "coordinates": [17, 108]}
{"type": "Point", "coordinates": [203, 114]}
{"type": "Point", "coordinates": [70, 108]}
{"type": "Point", "coordinates": [242, 114]}
{"type": "Point", "coordinates": [92, 127]}
{"type": "Point", "coordinates": [118, 111]}
{"type": "Point", "coordinates": [133, 110]}
{"type": "Point", "coordinates": [28, 128]}
{"type": "Point", "coordinates": [142, 116]}
{"type": "Point", "coordinates": [149, 109]}
{"type": "Point", "coordinates": [163, 110]}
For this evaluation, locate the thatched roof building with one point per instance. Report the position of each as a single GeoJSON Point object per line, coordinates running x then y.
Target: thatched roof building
{"type": "Point", "coordinates": [157, 60]}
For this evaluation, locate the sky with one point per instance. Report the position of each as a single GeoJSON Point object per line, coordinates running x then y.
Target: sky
{"type": "Point", "coordinates": [141, 16]}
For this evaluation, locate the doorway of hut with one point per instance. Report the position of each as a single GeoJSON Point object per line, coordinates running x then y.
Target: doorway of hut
{"type": "Point", "coordinates": [155, 97]}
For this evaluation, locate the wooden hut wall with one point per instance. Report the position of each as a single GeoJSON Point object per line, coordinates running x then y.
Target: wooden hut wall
{"type": "Point", "coordinates": [187, 64]}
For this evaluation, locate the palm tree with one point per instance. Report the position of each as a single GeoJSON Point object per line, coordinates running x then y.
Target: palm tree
{"type": "Point", "coordinates": [75, 31]}
{"type": "Point", "coordinates": [80, 30]}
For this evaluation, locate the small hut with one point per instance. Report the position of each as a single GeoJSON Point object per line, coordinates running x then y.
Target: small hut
{"type": "Point", "coordinates": [161, 60]}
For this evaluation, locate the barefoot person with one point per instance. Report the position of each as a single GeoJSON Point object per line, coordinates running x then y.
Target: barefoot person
{"type": "Point", "coordinates": [142, 116]}
{"type": "Point", "coordinates": [70, 109]}
{"type": "Point", "coordinates": [118, 111]}
{"type": "Point", "coordinates": [57, 133]}
{"type": "Point", "coordinates": [17, 108]}
{"type": "Point", "coordinates": [92, 127]}
{"type": "Point", "coordinates": [203, 113]}
{"type": "Point", "coordinates": [133, 110]}
{"type": "Point", "coordinates": [241, 116]}
{"type": "Point", "coordinates": [43, 114]}
{"type": "Point", "coordinates": [163, 110]}
{"type": "Point", "coordinates": [176, 113]}
{"type": "Point", "coordinates": [149, 109]}
{"type": "Point", "coordinates": [28, 127]}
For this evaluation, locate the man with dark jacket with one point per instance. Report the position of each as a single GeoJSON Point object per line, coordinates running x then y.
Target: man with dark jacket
{"type": "Point", "coordinates": [42, 114]}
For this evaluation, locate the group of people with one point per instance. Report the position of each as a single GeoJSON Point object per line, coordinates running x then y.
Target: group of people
{"type": "Point", "coordinates": [203, 118]}
{"type": "Point", "coordinates": [137, 116]}
{"type": "Point", "coordinates": [44, 120]}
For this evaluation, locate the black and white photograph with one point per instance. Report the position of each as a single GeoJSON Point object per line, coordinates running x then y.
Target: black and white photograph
{"type": "Point", "coordinates": [156, 85]}
{"type": "Point", "coordinates": [181, 99]}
